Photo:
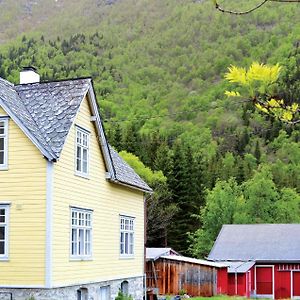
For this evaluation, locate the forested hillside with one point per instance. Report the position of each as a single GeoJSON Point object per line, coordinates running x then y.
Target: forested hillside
{"type": "Point", "coordinates": [158, 69]}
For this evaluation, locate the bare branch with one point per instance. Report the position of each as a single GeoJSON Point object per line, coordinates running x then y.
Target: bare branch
{"type": "Point", "coordinates": [221, 9]}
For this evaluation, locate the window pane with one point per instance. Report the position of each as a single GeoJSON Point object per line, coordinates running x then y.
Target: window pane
{"type": "Point", "coordinates": [78, 160]}
{"type": "Point", "coordinates": [2, 215]}
{"type": "Point", "coordinates": [74, 242]}
{"type": "Point", "coordinates": [2, 247]}
{"type": "Point", "coordinates": [131, 244]}
{"type": "Point", "coordinates": [122, 243]}
{"type": "Point", "coordinates": [126, 242]}
{"type": "Point", "coordinates": [1, 128]}
{"type": "Point", "coordinates": [88, 242]}
{"type": "Point", "coordinates": [1, 143]}
{"type": "Point", "coordinates": [2, 233]}
{"type": "Point", "coordinates": [81, 241]}
{"type": "Point", "coordinates": [1, 157]}
{"type": "Point", "coordinates": [84, 160]}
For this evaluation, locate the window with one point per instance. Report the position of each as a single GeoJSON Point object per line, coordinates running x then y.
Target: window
{"type": "Point", "coordinates": [82, 151]}
{"type": "Point", "coordinates": [125, 287]}
{"type": "Point", "coordinates": [3, 143]}
{"type": "Point", "coordinates": [127, 236]}
{"type": "Point", "coordinates": [105, 292]}
{"type": "Point", "coordinates": [4, 231]}
{"type": "Point", "coordinates": [81, 236]}
{"type": "Point", "coordinates": [82, 294]}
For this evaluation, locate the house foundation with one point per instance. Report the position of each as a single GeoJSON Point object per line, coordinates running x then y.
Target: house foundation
{"type": "Point", "coordinates": [104, 290]}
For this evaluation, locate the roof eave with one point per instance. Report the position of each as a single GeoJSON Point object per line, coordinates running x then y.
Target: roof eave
{"type": "Point", "coordinates": [117, 181]}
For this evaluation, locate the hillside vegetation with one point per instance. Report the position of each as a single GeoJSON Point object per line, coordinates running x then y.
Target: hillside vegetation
{"type": "Point", "coordinates": [158, 69]}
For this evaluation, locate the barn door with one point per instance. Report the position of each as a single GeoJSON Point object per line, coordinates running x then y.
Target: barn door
{"type": "Point", "coordinates": [296, 284]}
{"type": "Point", "coordinates": [264, 280]}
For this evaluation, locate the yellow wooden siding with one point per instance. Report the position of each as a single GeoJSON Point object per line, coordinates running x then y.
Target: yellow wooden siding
{"type": "Point", "coordinates": [24, 186]}
{"type": "Point", "coordinates": [107, 201]}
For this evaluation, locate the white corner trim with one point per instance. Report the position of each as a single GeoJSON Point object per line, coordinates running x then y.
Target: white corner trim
{"type": "Point", "coordinates": [49, 224]}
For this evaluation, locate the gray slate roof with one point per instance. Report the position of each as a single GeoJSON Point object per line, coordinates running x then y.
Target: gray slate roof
{"type": "Point", "coordinates": [124, 173]}
{"type": "Point", "coordinates": [257, 242]}
{"type": "Point", "coordinates": [46, 112]}
{"type": "Point", "coordinates": [53, 107]}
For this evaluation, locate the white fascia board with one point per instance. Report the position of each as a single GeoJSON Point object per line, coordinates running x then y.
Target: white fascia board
{"type": "Point", "coordinates": [102, 137]}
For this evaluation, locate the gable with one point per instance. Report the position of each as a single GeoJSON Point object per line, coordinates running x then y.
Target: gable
{"type": "Point", "coordinates": [45, 112]}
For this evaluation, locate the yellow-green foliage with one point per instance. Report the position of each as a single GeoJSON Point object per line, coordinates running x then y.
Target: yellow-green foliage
{"type": "Point", "coordinates": [146, 173]}
{"type": "Point", "coordinates": [257, 85]}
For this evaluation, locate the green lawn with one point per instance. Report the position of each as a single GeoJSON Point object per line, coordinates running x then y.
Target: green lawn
{"type": "Point", "coordinates": [218, 298]}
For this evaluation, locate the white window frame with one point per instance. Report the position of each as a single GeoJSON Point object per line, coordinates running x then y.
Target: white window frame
{"type": "Point", "coordinates": [79, 223]}
{"type": "Point", "coordinates": [4, 165]}
{"type": "Point", "coordinates": [127, 249]}
{"type": "Point", "coordinates": [5, 224]}
{"type": "Point", "coordinates": [82, 146]}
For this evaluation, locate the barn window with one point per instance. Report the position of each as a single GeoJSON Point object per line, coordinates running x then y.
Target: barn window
{"type": "Point", "coordinates": [3, 144]}
{"type": "Point", "coordinates": [126, 236]}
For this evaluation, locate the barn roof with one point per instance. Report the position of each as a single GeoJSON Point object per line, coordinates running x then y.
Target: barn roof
{"type": "Point", "coordinates": [45, 111]}
{"type": "Point", "coordinates": [257, 242]}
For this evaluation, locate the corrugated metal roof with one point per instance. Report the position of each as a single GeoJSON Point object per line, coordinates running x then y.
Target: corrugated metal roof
{"type": "Point", "coordinates": [195, 261]}
{"type": "Point", "coordinates": [155, 253]}
{"type": "Point", "coordinates": [257, 242]}
{"type": "Point", "coordinates": [239, 266]}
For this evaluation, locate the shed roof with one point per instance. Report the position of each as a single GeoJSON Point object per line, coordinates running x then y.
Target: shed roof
{"type": "Point", "coordinates": [155, 253]}
{"type": "Point", "coordinates": [46, 111]}
{"type": "Point", "coordinates": [195, 261]}
{"type": "Point", "coordinates": [257, 242]}
{"type": "Point", "coordinates": [239, 266]}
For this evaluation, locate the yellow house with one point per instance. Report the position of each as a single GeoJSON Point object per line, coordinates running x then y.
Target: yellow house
{"type": "Point", "coordinates": [71, 210]}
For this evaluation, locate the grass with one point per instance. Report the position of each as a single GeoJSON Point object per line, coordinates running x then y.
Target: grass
{"type": "Point", "coordinates": [218, 298]}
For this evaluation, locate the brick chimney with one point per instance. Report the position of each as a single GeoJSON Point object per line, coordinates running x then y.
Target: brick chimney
{"type": "Point", "coordinates": [29, 75]}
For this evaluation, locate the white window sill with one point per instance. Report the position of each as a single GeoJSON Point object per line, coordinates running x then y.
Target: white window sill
{"type": "Point", "coordinates": [81, 258]}
{"type": "Point", "coordinates": [82, 175]}
{"type": "Point", "coordinates": [3, 168]}
{"type": "Point", "coordinates": [4, 258]}
{"type": "Point", "coordinates": [126, 256]}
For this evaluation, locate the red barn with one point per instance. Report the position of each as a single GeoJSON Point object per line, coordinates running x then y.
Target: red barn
{"type": "Point", "coordinates": [263, 260]}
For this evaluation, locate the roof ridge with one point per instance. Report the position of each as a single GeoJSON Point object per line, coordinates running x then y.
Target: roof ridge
{"type": "Point", "coordinates": [53, 81]}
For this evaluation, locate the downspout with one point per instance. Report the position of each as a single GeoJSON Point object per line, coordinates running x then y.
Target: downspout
{"type": "Point", "coordinates": [235, 281]}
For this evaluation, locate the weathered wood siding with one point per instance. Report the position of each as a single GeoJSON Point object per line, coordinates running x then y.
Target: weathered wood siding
{"type": "Point", "coordinates": [172, 276]}
{"type": "Point", "coordinates": [24, 186]}
{"type": "Point", "coordinates": [107, 201]}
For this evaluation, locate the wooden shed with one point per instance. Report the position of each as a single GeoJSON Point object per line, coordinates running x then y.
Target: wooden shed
{"type": "Point", "coordinates": [170, 273]}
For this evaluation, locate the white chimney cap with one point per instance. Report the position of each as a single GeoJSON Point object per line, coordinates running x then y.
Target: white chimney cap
{"type": "Point", "coordinates": [29, 75]}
